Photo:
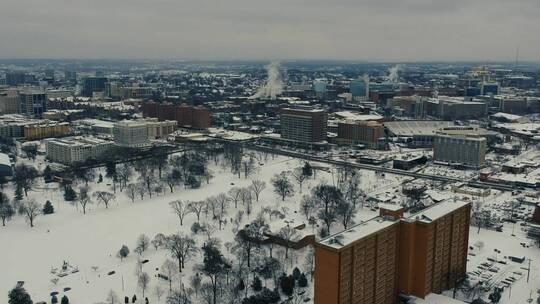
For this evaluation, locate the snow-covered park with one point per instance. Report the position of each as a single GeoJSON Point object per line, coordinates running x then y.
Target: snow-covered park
{"type": "Point", "coordinates": [88, 245]}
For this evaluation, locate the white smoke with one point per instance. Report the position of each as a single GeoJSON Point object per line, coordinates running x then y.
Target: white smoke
{"type": "Point", "coordinates": [274, 83]}
{"type": "Point", "coordinates": [393, 75]}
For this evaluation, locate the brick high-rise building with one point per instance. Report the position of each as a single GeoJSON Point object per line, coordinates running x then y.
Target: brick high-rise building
{"type": "Point", "coordinates": [303, 124]}
{"type": "Point", "coordinates": [200, 118]}
{"type": "Point", "coordinates": [375, 260]}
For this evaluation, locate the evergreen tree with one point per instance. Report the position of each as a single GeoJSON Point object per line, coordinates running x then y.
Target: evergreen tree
{"type": "Point", "coordinates": [69, 194]}
{"type": "Point", "coordinates": [100, 178]}
{"type": "Point", "coordinates": [296, 273]}
{"type": "Point", "coordinates": [257, 284]}
{"type": "Point", "coordinates": [65, 300]}
{"type": "Point", "coordinates": [18, 295]}
{"type": "Point", "coordinates": [48, 208]}
{"type": "Point", "coordinates": [241, 286]}
{"type": "Point", "coordinates": [47, 174]}
{"type": "Point", "coordinates": [302, 281]}
{"type": "Point", "coordinates": [54, 299]}
{"type": "Point", "coordinates": [287, 284]}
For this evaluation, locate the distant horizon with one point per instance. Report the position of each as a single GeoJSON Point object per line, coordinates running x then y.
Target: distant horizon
{"type": "Point", "coordinates": [285, 60]}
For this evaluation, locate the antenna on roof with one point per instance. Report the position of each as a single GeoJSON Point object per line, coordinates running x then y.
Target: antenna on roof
{"type": "Point", "coordinates": [517, 57]}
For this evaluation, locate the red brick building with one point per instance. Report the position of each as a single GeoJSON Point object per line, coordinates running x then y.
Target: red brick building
{"type": "Point", "coordinates": [187, 116]}
{"type": "Point", "coordinates": [374, 261]}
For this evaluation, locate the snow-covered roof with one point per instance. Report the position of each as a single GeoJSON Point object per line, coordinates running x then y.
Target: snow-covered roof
{"type": "Point", "coordinates": [357, 232]}
{"type": "Point", "coordinates": [437, 211]}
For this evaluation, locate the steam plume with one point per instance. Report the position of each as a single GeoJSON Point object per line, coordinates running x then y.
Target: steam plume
{"type": "Point", "coordinates": [274, 83]}
{"type": "Point", "coordinates": [393, 73]}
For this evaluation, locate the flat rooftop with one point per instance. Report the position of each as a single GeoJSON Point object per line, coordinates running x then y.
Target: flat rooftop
{"type": "Point", "coordinates": [357, 232]}
{"type": "Point", "coordinates": [437, 211]}
{"type": "Point", "coordinates": [409, 128]}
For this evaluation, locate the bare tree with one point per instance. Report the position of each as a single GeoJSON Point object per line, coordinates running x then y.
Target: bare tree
{"type": "Point", "coordinates": [346, 212]}
{"type": "Point", "coordinates": [31, 210]}
{"type": "Point", "coordinates": [282, 185]}
{"type": "Point", "coordinates": [84, 197]}
{"type": "Point", "coordinates": [235, 194]}
{"type": "Point", "coordinates": [288, 234]}
{"type": "Point", "coordinates": [181, 209]}
{"type": "Point", "coordinates": [6, 208]}
{"type": "Point", "coordinates": [143, 242]}
{"type": "Point", "coordinates": [247, 199]}
{"type": "Point", "coordinates": [181, 247]}
{"type": "Point", "coordinates": [173, 178]}
{"type": "Point", "coordinates": [158, 292]}
{"type": "Point", "coordinates": [222, 201]}
{"type": "Point", "coordinates": [141, 189]}
{"type": "Point", "coordinates": [112, 298]}
{"type": "Point", "coordinates": [248, 166]}
{"type": "Point", "coordinates": [143, 281]}
{"type": "Point", "coordinates": [299, 177]}
{"type": "Point", "coordinates": [170, 269]}
{"type": "Point", "coordinates": [104, 197]}
{"type": "Point", "coordinates": [257, 186]}
{"type": "Point", "coordinates": [308, 205]}
{"type": "Point", "coordinates": [131, 191]}
{"type": "Point", "coordinates": [197, 207]}
{"type": "Point", "coordinates": [124, 173]}
{"type": "Point", "coordinates": [158, 241]}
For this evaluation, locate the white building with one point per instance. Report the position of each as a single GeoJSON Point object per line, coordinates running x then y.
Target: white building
{"type": "Point", "coordinates": [131, 133]}
{"type": "Point", "coordinates": [467, 151]}
{"type": "Point", "coordinates": [78, 149]}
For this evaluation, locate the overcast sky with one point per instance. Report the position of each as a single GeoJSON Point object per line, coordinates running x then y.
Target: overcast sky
{"type": "Point", "coordinates": [392, 30]}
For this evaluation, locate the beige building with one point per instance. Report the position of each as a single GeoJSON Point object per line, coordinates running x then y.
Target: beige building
{"type": "Point", "coordinates": [45, 130]}
{"type": "Point", "coordinates": [159, 129]}
{"type": "Point", "coordinates": [74, 150]}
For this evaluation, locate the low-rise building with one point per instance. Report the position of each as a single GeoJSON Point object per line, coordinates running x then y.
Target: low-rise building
{"type": "Point", "coordinates": [46, 129]}
{"type": "Point", "coordinates": [72, 150]}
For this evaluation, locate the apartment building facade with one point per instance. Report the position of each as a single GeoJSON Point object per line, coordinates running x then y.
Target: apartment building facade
{"type": "Point", "coordinates": [131, 134]}
{"type": "Point", "coordinates": [360, 132]}
{"type": "Point", "coordinates": [464, 150]}
{"type": "Point", "coordinates": [374, 261]}
{"type": "Point", "coordinates": [303, 124]}
{"type": "Point", "coordinates": [73, 150]}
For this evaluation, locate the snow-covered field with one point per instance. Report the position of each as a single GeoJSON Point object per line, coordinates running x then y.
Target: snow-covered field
{"type": "Point", "coordinates": [90, 242]}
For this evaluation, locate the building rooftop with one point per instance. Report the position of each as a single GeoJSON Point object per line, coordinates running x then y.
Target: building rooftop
{"type": "Point", "coordinates": [437, 211]}
{"type": "Point", "coordinates": [357, 232]}
{"type": "Point", "coordinates": [416, 127]}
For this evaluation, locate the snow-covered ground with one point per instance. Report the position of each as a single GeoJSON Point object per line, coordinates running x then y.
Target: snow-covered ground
{"type": "Point", "coordinates": [90, 242]}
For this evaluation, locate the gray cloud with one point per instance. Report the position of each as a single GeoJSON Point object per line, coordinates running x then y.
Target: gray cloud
{"type": "Point", "coordinates": [271, 29]}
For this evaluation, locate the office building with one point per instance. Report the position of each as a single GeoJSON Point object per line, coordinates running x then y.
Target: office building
{"type": "Point", "coordinates": [33, 104]}
{"type": "Point", "coordinates": [131, 134]}
{"type": "Point", "coordinates": [489, 88]}
{"type": "Point", "coordinates": [75, 150]}
{"type": "Point", "coordinates": [460, 150]}
{"type": "Point", "coordinates": [10, 102]}
{"type": "Point", "coordinates": [70, 76]}
{"type": "Point", "coordinates": [374, 261]}
{"type": "Point", "coordinates": [453, 108]}
{"type": "Point", "coordinates": [15, 78]}
{"type": "Point", "coordinates": [360, 132]}
{"type": "Point", "coordinates": [45, 130]}
{"type": "Point", "coordinates": [359, 89]}
{"type": "Point", "coordinates": [93, 85]}
{"type": "Point", "coordinates": [303, 124]}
